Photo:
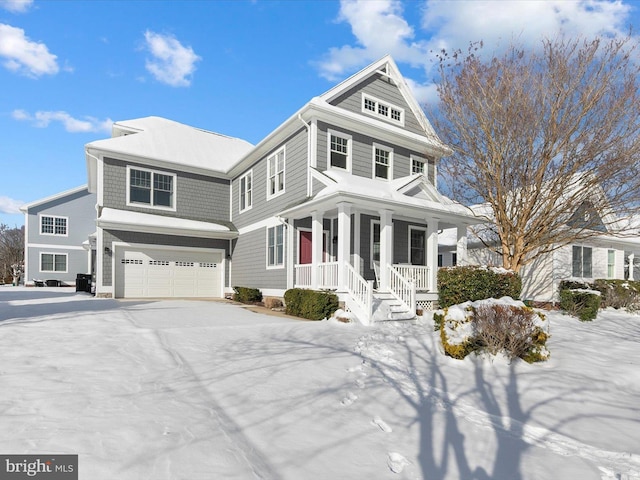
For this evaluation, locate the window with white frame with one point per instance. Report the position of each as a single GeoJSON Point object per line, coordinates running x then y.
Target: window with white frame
{"type": "Point", "coordinates": [151, 188]}
{"type": "Point", "coordinates": [417, 166]}
{"type": "Point", "coordinates": [581, 262]}
{"type": "Point", "coordinates": [381, 109]}
{"type": "Point", "coordinates": [53, 262]}
{"type": "Point", "coordinates": [611, 263]}
{"type": "Point", "coordinates": [275, 173]}
{"type": "Point", "coordinates": [417, 246]}
{"type": "Point", "coordinates": [382, 162]}
{"type": "Point", "coordinates": [339, 151]}
{"type": "Point", "coordinates": [53, 225]}
{"type": "Point", "coordinates": [246, 192]}
{"type": "Point", "coordinates": [375, 242]}
{"type": "Point", "coordinates": [275, 246]}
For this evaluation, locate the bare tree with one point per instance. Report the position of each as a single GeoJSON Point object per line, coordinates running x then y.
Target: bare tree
{"type": "Point", "coordinates": [547, 141]}
{"type": "Point", "coordinates": [12, 252]}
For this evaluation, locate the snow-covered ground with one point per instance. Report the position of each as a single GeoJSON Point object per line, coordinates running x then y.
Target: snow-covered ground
{"type": "Point", "coordinates": [207, 390]}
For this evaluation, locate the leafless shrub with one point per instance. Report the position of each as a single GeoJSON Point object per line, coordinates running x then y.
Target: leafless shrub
{"type": "Point", "coordinates": [505, 328]}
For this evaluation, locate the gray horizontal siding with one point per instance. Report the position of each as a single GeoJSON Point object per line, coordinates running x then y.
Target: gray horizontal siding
{"type": "Point", "coordinates": [77, 262]}
{"type": "Point", "coordinates": [110, 236]}
{"type": "Point", "coordinates": [295, 185]}
{"type": "Point", "coordinates": [381, 88]}
{"type": "Point", "coordinates": [249, 260]}
{"type": "Point", "coordinates": [198, 197]}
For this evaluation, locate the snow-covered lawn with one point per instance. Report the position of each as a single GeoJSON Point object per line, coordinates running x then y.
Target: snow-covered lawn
{"type": "Point", "coordinates": [207, 390]}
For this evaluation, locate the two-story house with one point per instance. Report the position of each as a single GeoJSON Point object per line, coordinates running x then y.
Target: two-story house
{"type": "Point", "coordinates": [58, 233]}
{"type": "Point", "coordinates": [341, 196]}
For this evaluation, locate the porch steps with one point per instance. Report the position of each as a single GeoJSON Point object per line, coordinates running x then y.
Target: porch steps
{"type": "Point", "coordinates": [387, 308]}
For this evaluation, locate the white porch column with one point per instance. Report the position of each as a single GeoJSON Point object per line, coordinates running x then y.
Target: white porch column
{"type": "Point", "coordinates": [461, 246]}
{"type": "Point", "coordinates": [316, 246]}
{"type": "Point", "coordinates": [289, 249]}
{"type": "Point", "coordinates": [432, 253]}
{"type": "Point", "coordinates": [631, 258]}
{"type": "Point", "coordinates": [344, 241]}
{"type": "Point", "coordinates": [386, 247]}
{"type": "Point", "coordinates": [357, 255]}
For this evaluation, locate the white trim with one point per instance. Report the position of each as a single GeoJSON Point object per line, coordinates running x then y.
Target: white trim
{"type": "Point", "coordinates": [57, 196]}
{"type": "Point", "coordinates": [240, 191]}
{"type": "Point", "coordinates": [275, 154]}
{"type": "Point", "coordinates": [151, 206]}
{"type": "Point", "coordinates": [424, 230]}
{"type": "Point", "coordinates": [54, 217]}
{"type": "Point", "coordinates": [66, 262]}
{"type": "Point", "coordinates": [344, 136]}
{"type": "Point", "coordinates": [384, 148]}
{"type": "Point", "coordinates": [275, 266]}
{"type": "Point", "coordinates": [266, 223]}
{"type": "Point", "coordinates": [58, 247]}
{"type": "Point", "coordinates": [377, 103]}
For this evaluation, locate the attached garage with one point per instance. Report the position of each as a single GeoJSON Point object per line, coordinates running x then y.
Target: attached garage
{"type": "Point", "coordinates": [147, 272]}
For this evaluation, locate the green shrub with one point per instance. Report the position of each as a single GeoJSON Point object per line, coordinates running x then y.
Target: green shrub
{"type": "Point", "coordinates": [310, 304]}
{"type": "Point", "coordinates": [514, 329]}
{"type": "Point", "coordinates": [619, 294]}
{"type": "Point", "coordinates": [469, 283]}
{"type": "Point", "coordinates": [247, 295]}
{"type": "Point", "coordinates": [580, 303]}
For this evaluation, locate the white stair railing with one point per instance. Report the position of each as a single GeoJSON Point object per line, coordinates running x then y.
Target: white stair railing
{"type": "Point", "coordinates": [360, 295]}
{"type": "Point", "coordinates": [404, 290]}
{"type": "Point", "coordinates": [420, 274]}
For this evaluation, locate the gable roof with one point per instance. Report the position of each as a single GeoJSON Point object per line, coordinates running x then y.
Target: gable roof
{"type": "Point", "coordinates": [24, 208]}
{"type": "Point", "coordinates": [165, 141]}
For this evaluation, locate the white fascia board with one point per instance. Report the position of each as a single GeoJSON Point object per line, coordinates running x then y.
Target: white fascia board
{"type": "Point", "coordinates": [57, 196]}
{"type": "Point", "coordinates": [165, 230]}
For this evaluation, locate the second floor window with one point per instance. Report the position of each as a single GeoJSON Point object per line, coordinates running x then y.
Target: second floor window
{"type": "Point", "coordinates": [151, 188]}
{"type": "Point", "coordinates": [338, 151]}
{"type": "Point", "coordinates": [246, 191]}
{"type": "Point", "coordinates": [417, 166]}
{"type": "Point", "coordinates": [382, 163]}
{"type": "Point", "coordinates": [275, 173]}
{"type": "Point", "coordinates": [52, 225]}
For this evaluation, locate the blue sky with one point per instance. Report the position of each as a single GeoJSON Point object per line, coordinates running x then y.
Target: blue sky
{"type": "Point", "coordinates": [68, 69]}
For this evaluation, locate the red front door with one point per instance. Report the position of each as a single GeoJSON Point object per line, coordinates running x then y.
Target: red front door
{"type": "Point", "coordinates": [305, 247]}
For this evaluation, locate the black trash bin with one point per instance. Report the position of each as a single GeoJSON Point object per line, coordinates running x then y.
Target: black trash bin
{"type": "Point", "coordinates": [83, 282]}
{"type": "Point", "coordinates": [53, 283]}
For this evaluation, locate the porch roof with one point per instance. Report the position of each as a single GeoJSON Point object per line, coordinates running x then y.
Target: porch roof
{"type": "Point", "coordinates": [412, 197]}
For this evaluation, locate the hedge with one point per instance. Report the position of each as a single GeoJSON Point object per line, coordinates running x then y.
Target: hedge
{"type": "Point", "coordinates": [470, 283]}
{"type": "Point", "coordinates": [310, 304]}
{"type": "Point", "coordinates": [247, 295]}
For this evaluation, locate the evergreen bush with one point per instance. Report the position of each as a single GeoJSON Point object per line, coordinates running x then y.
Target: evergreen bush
{"type": "Point", "coordinates": [470, 283]}
{"type": "Point", "coordinates": [580, 303]}
{"type": "Point", "coordinates": [619, 294]}
{"type": "Point", "coordinates": [247, 295]}
{"type": "Point", "coordinates": [310, 304]}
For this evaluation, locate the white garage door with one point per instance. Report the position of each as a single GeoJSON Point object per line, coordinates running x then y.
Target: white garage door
{"type": "Point", "coordinates": [144, 272]}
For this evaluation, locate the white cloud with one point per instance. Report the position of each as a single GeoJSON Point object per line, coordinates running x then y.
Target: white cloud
{"type": "Point", "coordinates": [380, 27]}
{"type": "Point", "coordinates": [16, 6]}
{"type": "Point", "coordinates": [9, 205]}
{"type": "Point", "coordinates": [42, 119]}
{"type": "Point", "coordinates": [172, 62]}
{"type": "Point", "coordinates": [23, 55]}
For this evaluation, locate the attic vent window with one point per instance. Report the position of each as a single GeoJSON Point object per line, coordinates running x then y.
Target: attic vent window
{"type": "Point", "coordinates": [384, 110]}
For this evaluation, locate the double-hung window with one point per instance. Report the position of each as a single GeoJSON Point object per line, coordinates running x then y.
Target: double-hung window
{"type": "Point", "coordinates": [53, 262]}
{"type": "Point", "coordinates": [147, 187]}
{"type": "Point", "coordinates": [246, 195]}
{"type": "Point", "coordinates": [382, 162]}
{"type": "Point", "coordinates": [275, 246]}
{"type": "Point", "coordinates": [417, 166]}
{"type": "Point", "coordinates": [53, 225]}
{"type": "Point", "coordinates": [339, 151]}
{"type": "Point", "coordinates": [611, 263]}
{"type": "Point", "coordinates": [275, 173]}
{"type": "Point", "coordinates": [582, 264]}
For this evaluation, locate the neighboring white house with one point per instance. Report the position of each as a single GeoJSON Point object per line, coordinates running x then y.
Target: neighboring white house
{"type": "Point", "coordinates": [57, 236]}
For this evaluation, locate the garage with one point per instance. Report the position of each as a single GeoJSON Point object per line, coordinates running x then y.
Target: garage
{"type": "Point", "coordinates": [145, 272]}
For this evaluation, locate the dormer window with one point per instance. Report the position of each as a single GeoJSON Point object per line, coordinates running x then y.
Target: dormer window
{"type": "Point", "coordinates": [381, 109]}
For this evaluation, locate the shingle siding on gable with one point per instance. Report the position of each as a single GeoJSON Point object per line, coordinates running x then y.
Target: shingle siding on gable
{"type": "Point", "coordinates": [295, 189]}
{"type": "Point", "coordinates": [198, 196]}
{"type": "Point", "coordinates": [381, 88]}
{"type": "Point", "coordinates": [362, 153]}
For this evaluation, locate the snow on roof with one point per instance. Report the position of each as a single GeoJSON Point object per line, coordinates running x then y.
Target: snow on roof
{"type": "Point", "coordinates": [147, 222]}
{"type": "Point", "coordinates": [165, 140]}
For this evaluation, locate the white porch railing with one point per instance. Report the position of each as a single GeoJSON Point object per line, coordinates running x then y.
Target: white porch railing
{"type": "Point", "coordinates": [327, 275]}
{"type": "Point", "coordinates": [404, 290]}
{"type": "Point", "coordinates": [421, 276]}
{"type": "Point", "coordinates": [303, 275]}
{"type": "Point", "coordinates": [360, 294]}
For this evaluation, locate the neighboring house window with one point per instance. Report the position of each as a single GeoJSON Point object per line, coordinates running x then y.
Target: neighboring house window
{"type": "Point", "coordinates": [382, 162]}
{"type": "Point", "coordinates": [52, 225]}
{"type": "Point", "coordinates": [582, 262]}
{"type": "Point", "coordinates": [155, 189]}
{"type": "Point", "coordinates": [246, 200]}
{"type": "Point", "coordinates": [439, 259]}
{"type": "Point", "coordinates": [417, 242]}
{"type": "Point", "coordinates": [611, 264]}
{"type": "Point", "coordinates": [339, 151]}
{"type": "Point", "coordinates": [379, 108]}
{"type": "Point", "coordinates": [275, 173]}
{"type": "Point", "coordinates": [275, 246]}
{"type": "Point", "coordinates": [375, 242]}
{"type": "Point", "coordinates": [454, 259]}
{"type": "Point", "coordinates": [417, 166]}
{"type": "Point", "coordinates": [53, 262]}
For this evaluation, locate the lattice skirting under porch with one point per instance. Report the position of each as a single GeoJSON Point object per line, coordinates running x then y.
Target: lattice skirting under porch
{"type": "Point", "coordinates": [426, 305]}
